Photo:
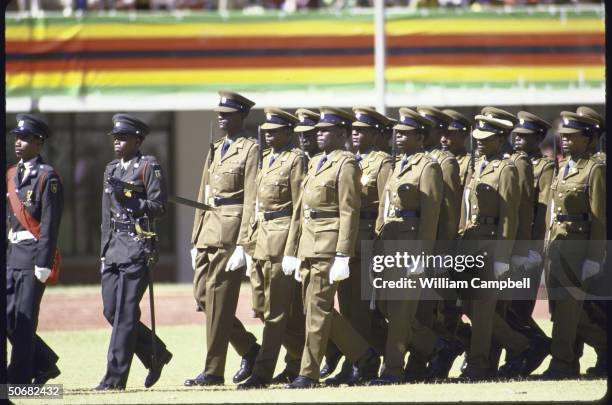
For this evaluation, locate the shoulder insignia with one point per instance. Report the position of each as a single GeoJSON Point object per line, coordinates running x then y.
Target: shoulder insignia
{"type": "Point", "coordinates": [53, 185]}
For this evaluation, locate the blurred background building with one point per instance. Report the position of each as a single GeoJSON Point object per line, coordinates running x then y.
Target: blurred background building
{"type": "Point", "coordinates": [79, 62]}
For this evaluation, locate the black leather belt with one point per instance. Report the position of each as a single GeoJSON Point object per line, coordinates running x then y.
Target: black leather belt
{"type": "Point", "coordinates": [486, 220]}
{"type": "Point", "coordinates": [368, 215]}
{"type": "Point", "coordinates": [121, 226]}
{"type": "Point", "coordinates": [219, 201]}
{"type": "Point", "coordinates": [270, 215]}
{"type": "Point", "coordinates": [572, 217]}
{"type": "Point", "coordinates": [312, 214]}
{"type": "Point", "coordinates": [406, 214]}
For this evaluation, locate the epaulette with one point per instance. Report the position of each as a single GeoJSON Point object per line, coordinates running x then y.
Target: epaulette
{"type": "Point", "coordinates": [150, 159]}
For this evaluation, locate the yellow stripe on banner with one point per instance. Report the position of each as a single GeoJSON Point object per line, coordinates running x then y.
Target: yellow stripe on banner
{"type": "Point", "coordinates": [202, 30]}
{"type": "Point", "coordinates": [494, 74]}
{"type": "Point", "coordinates": [182, 77]}
{"type": "Point", "coordinates": [494, 26]}
{"type": "Point", "coordinates": [301, 28]}
{"type": "Point", "coordinates": [306, 76]}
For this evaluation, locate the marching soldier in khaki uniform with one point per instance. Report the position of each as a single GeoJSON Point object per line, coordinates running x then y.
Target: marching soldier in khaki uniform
{"type": "Point", "coordinates": [278, 191]}
{"type": "Point", "coordinates": [424, 337]}
{"type": "Point", "coordinates": [410, 211]}
{"type": "Point", "coordinates": [529, 132]}
{"type": "Point", "coordinates": [228, 186]}
{"type": "Point", "coordinates": [575, 239]}
{"type": "Point", "coordinates": [597, 147]}
{"type": "Point", "coordinates": [489, 213]}
{"type": "Point", "coordinates": [375, 166]}
{"type": "Point", "coordinates": [329, 215]}
{"type": "Point", "coordinates": [592, 328]}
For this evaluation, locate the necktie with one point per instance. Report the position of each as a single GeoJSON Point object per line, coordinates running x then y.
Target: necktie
{"type": "Point", "coordinates": [224, 147]}
{"type": "Point", "coordinates": [272, 159]}
{"type": "Point", "coordinates": [483, 165]}
{"type": "Point", "coordinates": [358, 157]}
{"type": "Point", "coordinates": [567, 167]}
{"type": "Point", "coordinates": [321, 162]}
{"type": "Point", "coordinates": [20, 171]}
{"type": "Point", "coordinates": [404, 163]}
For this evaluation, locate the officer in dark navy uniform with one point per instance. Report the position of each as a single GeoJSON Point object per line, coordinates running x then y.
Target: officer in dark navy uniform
{"type": "Point", "coordinates": [36, 201]}
{"type": "Point", "coordinates": [134, 197]}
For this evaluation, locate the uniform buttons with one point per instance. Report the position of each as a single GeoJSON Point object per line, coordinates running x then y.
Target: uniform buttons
{"type": "Point", "coordinates": [563, 181]}
{"type": "Point", "coordinates": [575, 189]}
{"type": "Point", "coordinates": [261, 204]}
{"type": "Point", "coordinates": [281, 173]}
{"type": "Point", "coordinates": [214, 190]}
{"type": "Point", "coordinates": [580, 228]}
{"type": "Point", "coordinates": [558, 208]}
{"type": "Point", "coordinates": [261, 189]}
{"type": "Point", "coordinates": [560, 194]}
{"type": "Point", "coordinates": [412, 228]}
{"type": "Point", "coordinates": [216, 177]}
{"type": "Point", "coordinates": [474, 206]}
{"type": "Point", "coordinates": [492, 232]}
{"type": "Point", "coordinates": [487, 187]}
{"type": "Point", "coordinates": [276, 183]}
{"type": "Point", "coordinates": [394, 194]}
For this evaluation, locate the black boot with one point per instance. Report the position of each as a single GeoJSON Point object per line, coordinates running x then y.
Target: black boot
{"type": "Point", "coordinates": [366, 368]}
{"type": "Point", "coordinates": [303, 382]}
{"type": "Point", "coordinates": [286, 376]}
{"type": "Point", "coordinates": [246, 365]}
{"type": "Point", "coordinates": [343, 377]}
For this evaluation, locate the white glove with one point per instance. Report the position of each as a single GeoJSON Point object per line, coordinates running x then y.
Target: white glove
{"type": "Point", "coordinates": [296, 274]}
{"type": "Point", "coordinates": [590, 269]}
{"type": "Point", "coordinates": [339, 269]}
{"type": "Point", "coordinates": [249, 263]}
{"type": "Point", "coordinates": [236, 260]}
{"type": "Point", "coordinates": [289, 264]}
{"type": "Point", "coordinates": [534, 260]}
{"type": "Point", "coordinates": [499, 269]}
{"type": "Point", "coordinates": [415, 270]}
{"type": "Point", "coordinates": [518, 261]}
{"type": "Point", "coordinates": [42, 273]}
{"type": "Point", "coordinates": [193, 252]}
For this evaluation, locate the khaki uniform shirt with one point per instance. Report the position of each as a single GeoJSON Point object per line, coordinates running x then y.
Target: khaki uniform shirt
{"type": "Point", "coordinates": [491, 202]}
{"type": "Point", "coordinates": [417, 187]}
{"type": "Point", "coordinates": [451, 200]}
{"type": "Point", "coordinates": [278, 190]}
{"type": "Point", "coordinates": [464, 166]}
{"type": "Point", "coordinates": [582, 192]}
{"type": "Point", "coordinates": [524, 232]}
{"type": "Point", "coordinates": [375, 170]}
{"type": "Point", "coordinates": [543, 169]}
{"type": "Point", "coordinates": [232, 176]}
{"type": "Point", "coordinates": [334, 188]}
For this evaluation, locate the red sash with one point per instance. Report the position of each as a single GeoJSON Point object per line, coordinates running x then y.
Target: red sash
{"type": "Point", "coordinates": [29, 222]}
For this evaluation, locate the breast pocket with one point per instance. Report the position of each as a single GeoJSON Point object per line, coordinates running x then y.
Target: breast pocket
{"type": "Point", "coordinates": [487, 199]}
{"type": "Point", "coordinates": [278, 189]}
{"type": "Point", "coordinates": [327, 192]}
{"type": "Point", "coordinates": [231, 178]}
{"type": "Point", "coordinates": [408, 195]}
{"type": "Point", "coordinates": [575, 197]}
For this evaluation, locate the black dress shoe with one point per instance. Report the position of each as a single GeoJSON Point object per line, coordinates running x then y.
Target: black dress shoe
{"type": "Point", "coordinates": [471, 374]}
{"type": "Point", "coordinates": [331, 362]}
{"type": "Point", "coordinates": [47, 375]}
{"type": "Point", "coordinates": [445, 354]}
{"type": "Point", "coordinates": [555, 375]}
{"type": "Point", "coordinates": [253, 382]}
{"type": "Point", "coordinates": [386, 379]}
{"type": "Point", "coordinates": [155, 372]}
{"type": "Point", "coordinates": [597, 372]}
{"type": "Point", "coordinates": [343, 377]}
{"type": "Point", "coordinates": [303, 382]}
{"type": "Point", "coordinates": [204, 380]}
{"type": "Point", "coordinates": [535, 355]}
{"type": "Point", "coordinates": [109, 387]}
{"type": "Point", "coordinates": [246, 365]}
{"type": "Point", "coordinates": [511, 369]}
{"type": "Point", "coordinates": [366, 369]}
{"type": "Point", "coordinates": [416, 369]}
{"type": "Point", "coordinates": [284, 377]}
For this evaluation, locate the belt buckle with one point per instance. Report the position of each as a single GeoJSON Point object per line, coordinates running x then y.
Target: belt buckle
{"type": "Point", "coordinates": [392, 213]}
{"type": "Point", "coordinates": [211, 202]}
{"type": "Point", "coordinates": [13, 236]}
{"type": "Point", "coordinates": [307, 214]}
{"type": "Point", "coordinates": [260, 216]}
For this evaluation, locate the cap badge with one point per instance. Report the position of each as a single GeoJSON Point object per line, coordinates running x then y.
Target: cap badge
{"type": "Point", "coordinates": [117, 123]}
{"type": "Point", "coordinates": [21, 123]}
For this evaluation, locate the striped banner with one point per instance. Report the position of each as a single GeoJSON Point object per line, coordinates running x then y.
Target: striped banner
{"type": "Point", "coordinates": [148, 54]}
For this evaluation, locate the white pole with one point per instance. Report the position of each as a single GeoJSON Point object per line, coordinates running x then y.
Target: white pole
{"type": "Point", "coordinates": [379, 54]}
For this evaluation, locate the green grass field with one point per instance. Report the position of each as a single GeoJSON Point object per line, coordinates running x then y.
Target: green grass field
{"type": "Point", "coordinates": [83, 355]}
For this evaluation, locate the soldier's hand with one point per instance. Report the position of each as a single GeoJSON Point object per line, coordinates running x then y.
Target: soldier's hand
{"type": "Point", "coordinates": [340, 269]}
{"type": "Point", "coordinates": [42, 273]}
{"type": "Point", "coordinates": [193, 252]}
{"type": "Point", "coordinates": [518, 261]}
{"type": "Point", "coordinates": [236, 260]}
{"type": "Point", "coordinates": [290, 264]}
{"type": "Point", "coordinates": [590, 269]}
{"type": "Point", "coordinates": [499, 269]}
{"type": "Point", "coordinates": [418, 269]}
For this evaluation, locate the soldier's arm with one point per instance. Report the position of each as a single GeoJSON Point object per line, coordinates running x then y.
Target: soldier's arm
{"type": "Point", "coordinates": [154, 206]}
{"type": "Point", "coordinates": [52, 198]}
{"type": "Point", "coordinates": [250, 192]}
{"type": "Point", "coordinates": [349, 203]}
{"type": "Point", "coordinates": [539, 221]}
{"type": "Point", "coordinates": [509, 200]}
{"type": "Point", "coordinates": [431, 187]}
{"type": "Point", "coordinates": [452, 196]}
{"type": "Point", "coordinates": [105, 226]}
{"type": "Point", "coordinates": [295, 182]}
{"type": "Point", "coordinates": [525, 178]}
{"type": "Point", "coordinates": [199, 214]}
{"type": "Point", "coordinates": [464, 211]}
{"type": "Point", "coordinates": [381, 183]}
{"type": "Point", "coordinates": [597, 202]}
